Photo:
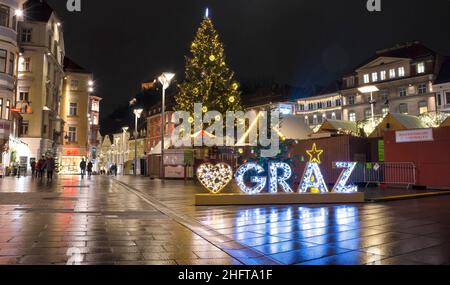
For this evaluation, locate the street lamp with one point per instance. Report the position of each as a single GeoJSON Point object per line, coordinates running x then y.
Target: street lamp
{"type": "Point", "coordinates": [370, 89]}
{"type": "Point", "coordinates": [137, 115]}
{"type": "Point", "coordinates": [124, 148]}
{"type": "Point", "coordinates": [165, 80]}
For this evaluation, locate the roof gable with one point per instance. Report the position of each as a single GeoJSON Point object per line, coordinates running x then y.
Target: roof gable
{"type": "Point", "coordinates": [381, 61]}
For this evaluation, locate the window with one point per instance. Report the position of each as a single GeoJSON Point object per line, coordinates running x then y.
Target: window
{"type": "Point", "coordinates": [306, 120]}
{"type": "Point", "coordinates": [24, 96]}
{"type": "Point", "coordinates": [315, 120]}
{"type": "Point", "coordinates": [385, 111]}
{"type": "Point", "coordinates": [1, 108]}
{"type": "Point", "coordinates": [328, 104]}
{"type": "Point", "coordinates": [423, 107]}
{"type": "Point", "coordinates": [8, 109]}
{"type": "Point", "coordinates": [402, 92]}
{"type": "Point", "coordinates": [338, 102]}
{"type": "Point", "coordinates": [350, 81]}
{"type": "Point", "coordinates": [401, 72]}
{"type": "Point", "coordinates": [95, 106]}
{"type": "Point", "coordinates": [384, 95]}
{"type": "Point", "coordinates": [333, 116]}
{"type": "Point", "coordinates": [3, 54]}
{"type": "Point", "coordinates": [25, 64]}
{"type": "Point", "coordinates": [422, 89]}
{"type": "Point", "coordinates": [4, 16]}
{"type": "Point", "coordinates": [374, 77]}
{"type": "Point", "coordinates": [366, 78]}
{"type": "Point", "coordinates": [324, 117]}
{"type": "Point", "coordinates": [383, 75]}
{"type": "Point", "coordinates": [367, 113]}
{"type": "Point", "coordinates": [439, 100]}
{"type": "Point", "coordinates": [421, 68]}
{"type": "Point", "coordinates": [403, 108]}
{"type": "Point", "coordinates": [12, 60]}
{"type": "Point", "coordinates": [320, 105]}
{"type": "Point", "coordinates": [73, 109]}
{"type": "Point", "coordinates": [447, 97]}
{"type": "Point", "coordinates": [95, 120]}
{"type": "Point", "coordinates": [351, 100]}
{"type": "Point", "coordinates": [72, 134]}
{"type": "Point", "coordinates": [392, 73]}
{"type": "Point", "coordinates": [26, 35]}
{"type": "Point", "coordinates": [352, 117]}
{"type": "Point", "coordinates": [24, 128]}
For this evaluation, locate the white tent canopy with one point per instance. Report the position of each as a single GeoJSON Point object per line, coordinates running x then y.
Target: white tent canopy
{"type": "Point", "coordinates": [294, 128]}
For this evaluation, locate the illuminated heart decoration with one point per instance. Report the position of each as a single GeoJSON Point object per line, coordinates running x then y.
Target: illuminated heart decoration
{"type": "Point", "coordinates": [215, 177]}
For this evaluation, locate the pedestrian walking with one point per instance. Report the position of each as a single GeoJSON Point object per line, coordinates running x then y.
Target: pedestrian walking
{"type": "Point", "coordinates": [50, 167]}
{"type": "Point", "coordinates": [83, 168]}
{"type": "Point", "coordinates": [33, 168]}
{"type": "Point", "coordinates": [89, 169]}
{"type": "Point", "coordinates": [41, 167]}
{"type": "Point", "coordinates": [115, 170]}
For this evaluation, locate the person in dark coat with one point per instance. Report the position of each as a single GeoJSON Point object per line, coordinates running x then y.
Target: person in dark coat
{"type": "Point", "coordinates": [89, 169]}
{"type": "Point", "coordinates": [50, 166]}
{"type": "Point", "coordinates": [83, 168]}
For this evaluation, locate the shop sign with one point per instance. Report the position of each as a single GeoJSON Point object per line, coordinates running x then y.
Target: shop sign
{"type": "Point", "coordinates": [423, 135]}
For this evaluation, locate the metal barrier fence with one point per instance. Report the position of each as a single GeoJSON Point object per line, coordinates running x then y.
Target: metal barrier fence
{"type": "Point", "coordinates": [401, 173]}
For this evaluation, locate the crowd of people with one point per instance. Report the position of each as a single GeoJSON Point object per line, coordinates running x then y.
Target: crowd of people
{"type": "Point", "coordinates": [42, 167]}
{"type": "Point", "coordinates": [45, 167]}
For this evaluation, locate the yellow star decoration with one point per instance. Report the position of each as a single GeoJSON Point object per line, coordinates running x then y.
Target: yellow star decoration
{"type": "Point", "coordinates": [314, 154]}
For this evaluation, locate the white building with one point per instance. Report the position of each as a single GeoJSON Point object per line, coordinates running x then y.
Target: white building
{"type": "Point", "coordinates": [442, 87]}
{"type": "Point", "coordinates": [10, 147]}
{"type": "Point", "coordinates": [317, 109]}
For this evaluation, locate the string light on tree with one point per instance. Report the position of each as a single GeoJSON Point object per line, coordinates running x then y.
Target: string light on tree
{"type": "Point", "coordinates": [207, 77]}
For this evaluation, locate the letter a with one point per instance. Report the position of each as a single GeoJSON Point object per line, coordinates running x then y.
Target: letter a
{"type": "Point", "coordinates": [312, 178]}
{"type": "Point", "coordinates": [374, 5]}
{"type": "Point", "coordinates": [74, 5]}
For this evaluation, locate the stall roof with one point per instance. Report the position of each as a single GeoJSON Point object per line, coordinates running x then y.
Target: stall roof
{"type": "Point", "coordinates": [338, 125]}
{"type": "Point", "coordinates": [397, 122]}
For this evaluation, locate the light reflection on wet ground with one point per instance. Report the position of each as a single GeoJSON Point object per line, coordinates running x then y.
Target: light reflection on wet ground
{"type": "Point", "coordinates": [107, 224]}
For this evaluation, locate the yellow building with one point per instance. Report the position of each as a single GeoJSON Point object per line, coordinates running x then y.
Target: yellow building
{"type": "Point", "coordinates": [77, 89]}
{"type": "Point", "coordinates": [40, 78]}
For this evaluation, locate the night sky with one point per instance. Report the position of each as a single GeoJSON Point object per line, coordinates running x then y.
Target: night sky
{"type": "Point", "coordinates": [298, 42]}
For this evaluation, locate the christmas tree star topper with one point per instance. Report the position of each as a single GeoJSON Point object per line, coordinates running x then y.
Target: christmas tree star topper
{"type": "Point", "coordinates": [314, 154]}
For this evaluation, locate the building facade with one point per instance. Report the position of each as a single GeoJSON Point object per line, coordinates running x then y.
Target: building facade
{"type": "Point", "coordinates": [94, 129]}
{"type": "Point", "coordinates": [40, 79]}
{"type": "Point", "coordinates": [317, 109]}
{"type": "Point", "coordinates": [442, 87]}
{"type": "Point", "coordinates": [404, 76]}
{"type": "Point", "coordinates": [77, 90]}
{"type": "Point", "coordinates": [12, 150]}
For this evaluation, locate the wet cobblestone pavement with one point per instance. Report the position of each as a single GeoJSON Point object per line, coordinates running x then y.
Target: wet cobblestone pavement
{"type": "Point", "coordinates": [142, 221]}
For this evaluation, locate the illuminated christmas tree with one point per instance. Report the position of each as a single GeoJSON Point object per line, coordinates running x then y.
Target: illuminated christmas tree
{"type": "Point", "coordinates": [207, 77]}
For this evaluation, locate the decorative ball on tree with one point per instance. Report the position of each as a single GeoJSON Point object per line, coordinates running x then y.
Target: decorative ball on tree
{"type": "Point", "coordinates": [207, 77]}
